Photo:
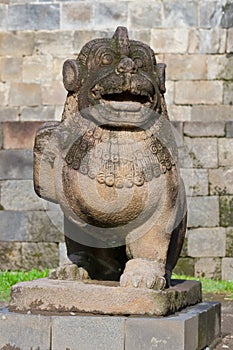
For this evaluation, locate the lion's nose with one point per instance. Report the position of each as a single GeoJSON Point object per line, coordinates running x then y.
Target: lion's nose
{"type": "Point", "coordinates": [126, 65]}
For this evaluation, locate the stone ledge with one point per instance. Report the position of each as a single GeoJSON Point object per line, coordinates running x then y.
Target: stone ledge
{"type": "Point", "coordinates": [45, 295]}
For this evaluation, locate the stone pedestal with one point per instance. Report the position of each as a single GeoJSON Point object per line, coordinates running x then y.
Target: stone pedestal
{"type": "Point", "coordinates": [46, 295]}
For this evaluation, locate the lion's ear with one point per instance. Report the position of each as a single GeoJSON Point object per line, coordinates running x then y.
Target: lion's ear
{"type": "Point", "coordinates": [162, 77]}
{"type": "Point", "coordinates": [70, 75]}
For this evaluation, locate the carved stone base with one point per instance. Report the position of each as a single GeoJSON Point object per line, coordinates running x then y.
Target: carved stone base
{"type": "Point", "coordinates": [97, 297]}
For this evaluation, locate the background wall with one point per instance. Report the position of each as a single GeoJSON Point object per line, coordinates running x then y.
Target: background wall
{"type": "Point", "coordinates": [195, 39]}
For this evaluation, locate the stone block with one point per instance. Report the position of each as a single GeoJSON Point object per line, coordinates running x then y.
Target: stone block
{"type": "Point", "coordinates": [186, 67]}
{"type": "Point", "coordinates": [227, 15]}
{"type": "Point", "coordinates": [1, 136]}
{"type": "Point", "coordinates": [219, 67]}
{"type": "Point", "coordinates": [195, 181]}
{"type": "Point", "coordinates": [34, 16]}
{"type": "Point", "coordinates": [37, 69]}
{"type": "Point", "coordinates": [225, 151]}
{"type": "Point", "coordinates": [110, 14]}
{"type": "Point", "coordinates": [207, 41]}
{"type": "Point", "coordinates": [3, 16]}
{"type": "Point", "coordinates": [57, 67]}
{"type": "Point", "coordinates": [169, 40]}
{"type": "Point", "coordinates": [24, 331]}
{"type": "Point", "coordinates": [202, 151]}
{"type": "Point", "coordinates": [20, 195]}
{"type": "Point", "coordinates": [228, 93]}
{"type": "Point", "coordinates": [16, 44]}
{"type": "Point", "coordinates": [12, 226]}
{"type": "Point", "coordinates": [226, 210]}
{"type": "Point", "coordinates": [227, 269]}
{"type": "Point", "coordinates": [207, 242]}
{"type": "Point", "coordinates": [10, 255]}
{"type": "Point", "coordinates": [210, 14]}
{"type": "Point", "coordinates": [145, 15]}
{"type": "Point", "coordinates": [83, 36]}
{"type": "Point", "coordinates": [195, 129]}
{"type": "Point", "coordinates": [180, 14]}
{"type": "Point", "coordinates": [229, 241]}
{"type": "Point", "coordinates": [92, 332]}
{"type": "Point", "coordinates": [208, 268]}
{"type": "Point", "coordinates": [40, 255]}
{"type": "Point", "coordinates": [41, 113]}
{"type": "Point", "coordinates": [221, 180]}
{"type": "Point", "coordinates": [20, 135]}
{"type": "Point", "coordinates": [11, 68]}
{"type": "Point", "coordinates": [77, 16]}
{"type": "Point", "coordinates": [198, 92]}
{"type": "Point", "coordinates": [185, 266]}
{"type": "Point", "coordinates": [4, 93]}
{"type": "Point", "coordinates": [54, 93]}
{"type": "Point", "coordinates": [211, 113]}
{"type": "Point", "coordinates": [26, 94]}
{"type": "Point", "coordinates": [169, 92]}
{"type": "Point", "coordinates": [9, 114]}
{"type": "Point", "coordinates": [63, 259]}
{"type": "Point", "coordinates": [179, 113]}
{"type": "Point", "coordinates": [230, 40]}
{"type": "Point", "coordinates": [49, 43]}
{"type": "Point", "coordinates": [209, 325]}
{"type": "Point", "coordinates": [203, 211]}
{"type": "Point", "coordinates": [229, 129]}
{"type": "Point", "coordinates": [15, 164]}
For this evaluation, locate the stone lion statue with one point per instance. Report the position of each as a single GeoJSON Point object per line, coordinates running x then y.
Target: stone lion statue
{"type": "Point", "coordinates": [111, 164]}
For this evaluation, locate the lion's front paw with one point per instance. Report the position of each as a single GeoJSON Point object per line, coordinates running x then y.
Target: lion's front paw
{"type": "Point", "coordinates": [70, 272]}
{"type": "Point", "coordinates": [141, 273]}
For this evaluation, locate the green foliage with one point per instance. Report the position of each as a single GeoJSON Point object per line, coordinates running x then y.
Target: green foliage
{"type": "Point", "coordinates": [9, 278]}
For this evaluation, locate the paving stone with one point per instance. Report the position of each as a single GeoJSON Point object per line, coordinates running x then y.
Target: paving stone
{"type": "Point", "coordinates": [10, 255]}
{"type": "Point", "coordinates": [203, 211]}
{"type": "Point", "coordinates": [206, 92]}
{"type": "Point", "coordinates": [208, 268]}
{"type": "Point", "coordinates": [230, 40]}
{"type": "Point", "coordinates": [180, 14]}
{"type": "Point", "coordinates": [226, 210]}
{"type": "Point", "coordinates": [227, 269]}
{"type": "Point", "coordinates": [37, 68]}
{"type": "Point", "coordinates": [110, 14]}
{"type": "Point", "coordinates": [41, 255]}
{"type": "Point", "coordinates": [169, 40]}
{"type": "Point", "coordinates": [206, 41]}
{"type": "Point", "coordinates": [225, 151]}
{"type": "Point", "coordinates": [92, 332]}
{"type": "Point", "coordinates": [41, 113]}
{"type": "Point", "coordinates": [23, 332]}
{"type": "Point", "coordinates": [195, 181]}
{"type": "Point", "coordinates": [207, 242]}
{"type": "Point", "coordinates": [210, 14]}
{"type": "Point", "coordinates": [11, 68]}
{"type": "Point", "coordinates": [4, 93]}
{"type": "Point", "coordinates": [196, 129]}
{"type": "Point", "coordinates": [49, 42]}
{"type": "Point", "coordinates": [228, 93]}
{"type": "Point", "coordinates": [186, 67]}
{"type": "Point", "coordinates": [20, 195]}
{"type": "Point", "coordinates": [227, 15]}
{"type": "Point", "coordinates": [221, 180]}
{"type": "Point", "coordinates": [145, 15]}
{"type": "Point", "coordinates": [20, 135]}
{"type": "Point", "coordinates": [229, 129]}
{"type": "Point", "coordinates": [77, 16]}
{"type": "Point", "coordinates": [16, 43]}
{"type": "Point", "coordinates": [179, 113]}
{"type": "Point", "coordinates": [15, 164]}
{"type": "Point", "coordinates": [9, 114]}
{"type": "Point", "coordinates": [26, 94]}
{"type": "Point", "coordinates": [54, 93]}
{"type": "Point", "coordinates": [229, 241]}
{"type": "Point", "coordinates": [202, 151]}
{"type": "Point", "coordinates": [211, 113]}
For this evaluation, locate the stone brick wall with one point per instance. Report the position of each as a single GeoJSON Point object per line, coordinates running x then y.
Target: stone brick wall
{"type": "Point", "coordinates": [195, 39]}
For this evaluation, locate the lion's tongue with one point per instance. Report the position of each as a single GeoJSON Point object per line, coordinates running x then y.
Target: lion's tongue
{"type": "Point", "coordinates": [129, 106]}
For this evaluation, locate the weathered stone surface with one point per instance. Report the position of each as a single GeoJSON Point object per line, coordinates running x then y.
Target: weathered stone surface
{"type": "Point", "coordinates": [186, 67]}
{"type": "Point", "coordinates": [227, 15]}
{"type": "Point", "coordinates": [9, 114]}
{"type": "Point", "coordinates": [229, 241]}
{"type": "Point", "coordinates": [170, 92]}
{"type": "Point", "coordinates": [219, 67]}
{"type": "Point", "coordinates": [207, 40]}
{"type": "Point", "coordinates": [196, 129]}
{"type": "Point", "coordinates": [26, 94]}
{"type": "Point", "coordinates": [20, 195]}
{"type": "Point", "coordinates": [207, 242]}
{"type": "Point", "coordinates": [221, 180]}
{"type": "Point", "coordinates": [228, 93]}
{"type": "Point", "coordinates": [41, 254]}
{"type": "Point", "coordinates": [63, 259]}
{"type": "Point", "coordinates": [109, 14]}
{"type": "Point", "coordinates": [230, 40]}
{"type": "Point", "coordinates": [3, 16]}
{"type": "Point", "coordinates": [41, 113]}
{"type": "Point", "coordinates": [20, 135]}
{"type": "Point", "coordinates": [206, 92]}
{"type": "Point", "coordinates": [11, 68]}
{"type": "Point", "coordinates": [34, 17]}
{"type": "Point", "coordinates": [195, 181]}
{"type": "Point", "coordinates": [211, 113]}
{"type": "Point", "coordinates": [15, 164]}
{"type": "Point", "coordinates": [75, 296]}
{"type": "Point", "coordinates": [229, 129]}
{"type": "Point", "coordinates": [148, 15]}
{"type": "Point", "coordinates": [169, 40]}
{"type": "Point", "coordinates": [203, 211]}
{"type": "Point", "coordinates": [185, 266]}
{"type": "Point", "coordinates": [83, 36]}
{"type": "Point", "coordinates": [179, 14]}
{"type": "Point", "coordinates": [203, 152]}
{"type": "Point", "coordinates": [208, 268]}
{"type": "Point", "coordinates": [77, 15]}
{"type": "Point", "coordinates": [179, 113]}
{"type": "Point", "coordinates": [49, 42]}
{"type": "Point", "coordinates": [16, 44]}
{"type": "Point", "coordinates": [4, 93]}
{"type": "Point", "coordinates": [12, 226]}
{"type": "Point", "coordinates": [225, 151]}
{"type": "Point", "coordinates": [226, 210]}
{"type": "Point", "coordinates": [54, 93]}
{"type": "Point", "coordinates": [24, 331]}
{"type": "Point", "coordinates": [227, 269]}
{"type": "Point", "coordinates": [1, 136]}
{"type": "Point", "coordinates": [35, 69]}
{"type": "Point", "coordinates": [90, 332]}
{"type": "Point", "coordinates": [10, 255]}
{"type": "Point", "coordinates": [210, 14]}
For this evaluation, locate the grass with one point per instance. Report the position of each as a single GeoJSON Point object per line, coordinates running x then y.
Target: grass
{"type": "Point", "coordinates": [9, 278]}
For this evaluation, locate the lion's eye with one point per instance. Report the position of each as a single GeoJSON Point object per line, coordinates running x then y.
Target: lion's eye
{"type": "Point", "coordinates": [138, 62]}
{"type": "Point", "coordinates": [107, 59]}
